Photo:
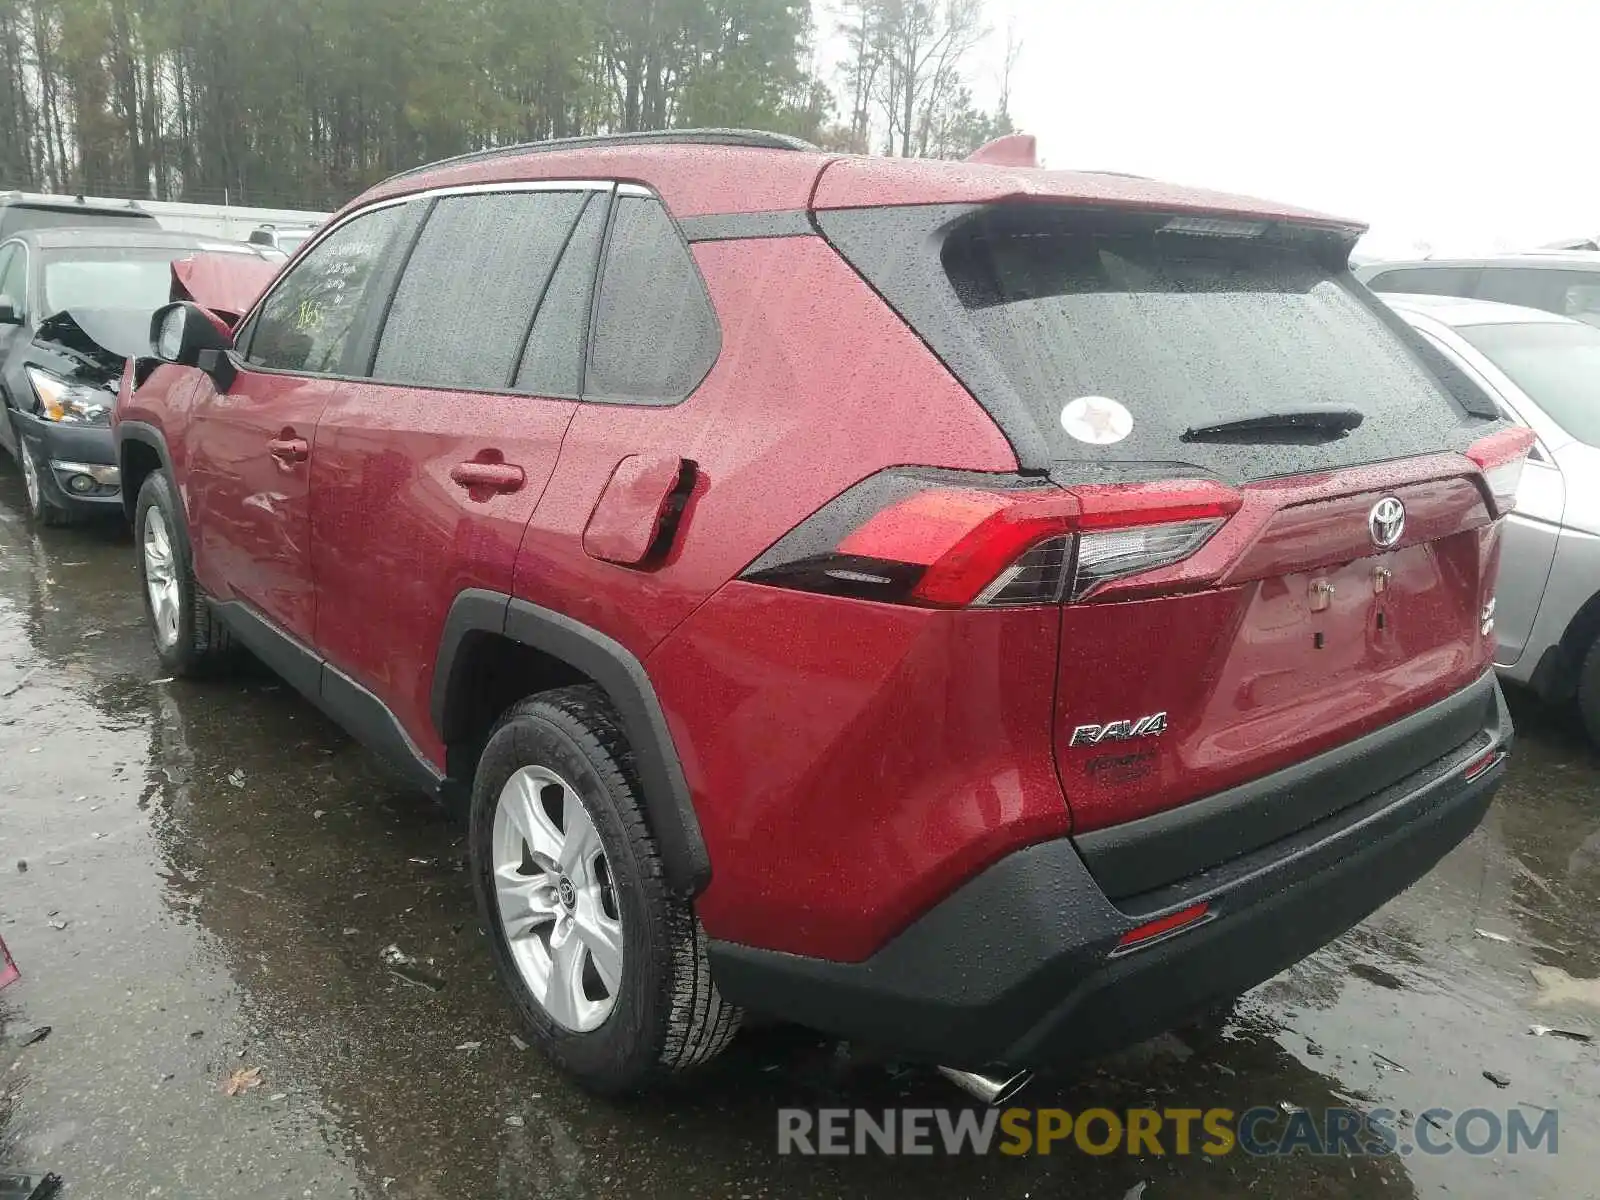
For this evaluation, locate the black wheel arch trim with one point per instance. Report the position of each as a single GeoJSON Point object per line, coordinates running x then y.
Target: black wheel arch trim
{"type": "Point", "coordinates": [667, 801]}
{"type": "Point", "coordinates": [146, 435]}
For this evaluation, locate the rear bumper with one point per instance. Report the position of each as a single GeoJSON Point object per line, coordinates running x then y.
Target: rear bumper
{"type": "Point", "coordinates": [1017, 967]}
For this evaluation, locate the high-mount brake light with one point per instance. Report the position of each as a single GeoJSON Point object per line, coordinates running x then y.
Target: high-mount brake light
{"type": "Point", "coordinates": [1215, 227]}
{"type": "Point", "coordinates": [1501, 457]}
{"type": "Point", "coordinates": [930, 539]}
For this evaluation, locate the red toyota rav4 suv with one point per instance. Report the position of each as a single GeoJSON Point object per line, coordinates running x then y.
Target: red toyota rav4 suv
{"type": "Point", "coordinates": [990, 612]}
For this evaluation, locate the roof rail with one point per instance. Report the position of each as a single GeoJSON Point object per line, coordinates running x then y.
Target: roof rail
{"type": "Point", "coordinates": [753, 138]}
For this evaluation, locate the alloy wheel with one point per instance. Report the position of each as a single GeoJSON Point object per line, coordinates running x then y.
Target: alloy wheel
{"type": "Point", "coordinates": [30, 477]}
{"type": "Point", "coordinates": [556, 898]}
{"type": "Point", "coordinates": [160, 577]}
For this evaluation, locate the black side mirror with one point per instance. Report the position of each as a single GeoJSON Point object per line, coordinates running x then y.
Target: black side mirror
{"type": "Point", "coordinates": [186, 334]}
{"type": "Point", "coordinates": [8, 312]}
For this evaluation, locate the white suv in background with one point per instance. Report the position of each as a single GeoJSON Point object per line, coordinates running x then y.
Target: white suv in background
{"type": "Point", "coordinates": [1543, 371]}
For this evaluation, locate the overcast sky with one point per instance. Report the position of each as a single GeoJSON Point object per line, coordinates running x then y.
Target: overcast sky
{"type": "Point", "coordinates": [1468, 124]}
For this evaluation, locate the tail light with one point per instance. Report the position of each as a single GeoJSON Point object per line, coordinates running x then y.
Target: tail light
{"type": "Point", "coordinates": [946, 540]}
{"type": "Point", "coordinates": [1500, 457]}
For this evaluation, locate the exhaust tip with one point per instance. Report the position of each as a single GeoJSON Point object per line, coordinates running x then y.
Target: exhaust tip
{"type": "Point", "coordinates": [992, 1090]}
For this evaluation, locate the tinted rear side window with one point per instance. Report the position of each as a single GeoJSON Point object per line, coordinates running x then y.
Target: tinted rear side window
{"type": "Point", "coordinates": [552, 364]}
{"type": "Point", "coordinates": [655, 335]}
{"type": "Point", "coordinates": [475, 276]}
{"type": "Point", "coordinates": [1035, 308]}
{"type": "Point", "coordinates": [1427, 281]}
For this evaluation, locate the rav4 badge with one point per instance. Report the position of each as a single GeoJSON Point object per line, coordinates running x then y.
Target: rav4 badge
{"type": "Point", "coordinates": [1120, 731]}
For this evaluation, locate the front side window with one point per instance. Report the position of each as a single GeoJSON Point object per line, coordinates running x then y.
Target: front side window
{"type": "Point", "coordinates": [306, 323]}
{"type": "Point", "coordinates": [655, 334]}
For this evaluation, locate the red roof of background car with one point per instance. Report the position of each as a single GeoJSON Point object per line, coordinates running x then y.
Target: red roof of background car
{"type": "Point", "coordinates": [698, 180]}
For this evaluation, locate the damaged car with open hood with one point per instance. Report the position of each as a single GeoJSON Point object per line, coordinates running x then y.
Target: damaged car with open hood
{"type": "Point", "coordinates": [75, 306]}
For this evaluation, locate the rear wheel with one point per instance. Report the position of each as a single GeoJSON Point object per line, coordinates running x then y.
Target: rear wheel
{"type": "Point", "coordinates": [606, 968]}
{"type": "Point", "coordinates": [1589, 692]}
{"type": "Point", "coordinates": [189, 639]}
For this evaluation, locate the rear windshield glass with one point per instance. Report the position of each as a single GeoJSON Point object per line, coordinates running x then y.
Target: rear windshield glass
{"type": "Point", "coordinates": [1557, 364]}
{"type": "Point", "coordinates": [1184, 332]}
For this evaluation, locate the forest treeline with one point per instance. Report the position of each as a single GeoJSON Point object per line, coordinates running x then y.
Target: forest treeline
{"type": "Point", "coordinates": [305, 102]}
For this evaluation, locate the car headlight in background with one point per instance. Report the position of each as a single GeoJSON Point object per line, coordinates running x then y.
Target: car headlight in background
{"type": "Point", "coordinates": [70, 403]}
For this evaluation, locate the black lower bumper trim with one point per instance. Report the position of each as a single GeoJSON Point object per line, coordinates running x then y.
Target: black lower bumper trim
{"type": "Point", "coordinates": [1015, 966]}
{"type": "Point", "coordinates": [1151, 852]}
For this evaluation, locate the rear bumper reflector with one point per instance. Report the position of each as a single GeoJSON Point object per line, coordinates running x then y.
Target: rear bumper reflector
{"type": "Point", "coordinates": [1163, 927]}
{"type": "Point", "coordinates": [1483, 762]}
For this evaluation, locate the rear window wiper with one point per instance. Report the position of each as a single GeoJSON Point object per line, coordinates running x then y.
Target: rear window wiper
{"type": "Point", "coordinates": [1289, 425]}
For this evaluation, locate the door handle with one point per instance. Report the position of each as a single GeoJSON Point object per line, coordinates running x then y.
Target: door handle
{"type": "Point", "coordinates": [493, 476]}
{"type": "Point", "coordinates": [289, 449]}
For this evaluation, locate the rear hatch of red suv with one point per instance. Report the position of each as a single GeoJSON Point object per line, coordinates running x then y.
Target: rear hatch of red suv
{"type": "Point", "coordinates": [1278, 533]}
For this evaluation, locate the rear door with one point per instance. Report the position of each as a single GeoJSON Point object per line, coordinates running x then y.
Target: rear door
{"type": "Point", "coordinates": [1124, 349]}
{"type": "Point", "coordinates": [427, 472]}
{"type": "Point", "coordinates": [250, 444]}
{"type": "Point", "coordinates": [601, 549]}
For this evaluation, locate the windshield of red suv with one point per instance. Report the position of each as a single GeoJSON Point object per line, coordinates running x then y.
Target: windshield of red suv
{"type": "Point", "coordinates": [1556, 363]}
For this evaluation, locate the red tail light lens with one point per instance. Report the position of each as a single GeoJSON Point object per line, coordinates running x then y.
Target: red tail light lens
{"type": "Point", "coordinates": [948, 541]}
{"type": "Point", "coordinates": [1501, 457]}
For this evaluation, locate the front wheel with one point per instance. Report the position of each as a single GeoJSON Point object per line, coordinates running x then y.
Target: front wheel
{"type": "Point", "coordinates": [40, 507]}
{"type": "Point", "coordinates": [189, 640]}
{"type": "Point", "coordinates": [606, 968]}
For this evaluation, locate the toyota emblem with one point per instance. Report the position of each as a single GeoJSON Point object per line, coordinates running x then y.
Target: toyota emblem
{"type": "Point", "coordinates": [1387, 521]}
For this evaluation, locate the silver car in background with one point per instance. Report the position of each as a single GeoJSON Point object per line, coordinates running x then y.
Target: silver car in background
{"type": "Point", "coordinates": [1542, 371]}
{"type": "Point", "coordinates": [1563, 282]}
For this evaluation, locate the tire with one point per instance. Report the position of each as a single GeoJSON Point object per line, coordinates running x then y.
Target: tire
{"type": "Point", "coordinates": [189, 640]}
{"type": "Point", "coordinates": [661, 1014]}
{"type": "Point", "coordinates": [40, 507]}
{"type": "Point", "coordinates": [1589, 693]}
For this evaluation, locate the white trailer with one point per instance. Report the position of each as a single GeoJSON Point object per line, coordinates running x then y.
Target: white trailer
{"type": "Point", "coordinates": [227, 221]}
{"type": "Point", "coordinates": [212, 220]}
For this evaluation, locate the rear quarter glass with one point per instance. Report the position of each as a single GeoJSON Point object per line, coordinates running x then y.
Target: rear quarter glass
{"type": "Point", "coordinates": [1034, 306]}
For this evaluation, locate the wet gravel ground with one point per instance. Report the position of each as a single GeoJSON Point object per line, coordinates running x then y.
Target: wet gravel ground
{"type": "Point", "coordinates": [214, 872]}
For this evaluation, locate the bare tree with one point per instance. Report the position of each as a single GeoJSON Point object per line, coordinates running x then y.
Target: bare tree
{"type": "Point", "coordinates": [862, 25]}
{"type": "Point", "coordinates": [927, 42]}
{"type": "Point", "coordinates": [1008, 67]}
